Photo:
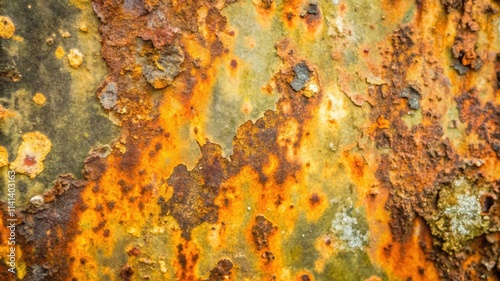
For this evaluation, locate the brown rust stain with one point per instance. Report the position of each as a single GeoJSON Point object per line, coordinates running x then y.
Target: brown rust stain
{"type": "Point", "coordinates": [45, 234]}
{"type": "Point", "coordinates": [261, 231]}
{"type": "Point", "coordinates": [192, 202]}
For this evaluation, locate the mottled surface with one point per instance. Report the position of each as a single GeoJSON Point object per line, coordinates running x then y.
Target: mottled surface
{"type": "Point", "coordinates": [260, 140]}
{"type": "Point", "coordinates": [68, 114]}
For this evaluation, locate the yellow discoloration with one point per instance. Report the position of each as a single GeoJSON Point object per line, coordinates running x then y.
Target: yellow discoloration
{"type": "Point", "coordinates": [382, 122]}
{"type": "Point", "coordinates": [31, 153]}
{"type": "Point", "coordinates": [4, 113]}
{"type": "Point", "coordinates": [64, 34]}
{"type": "Point", "coordinates": [60, 52]}
{"type": "Point", "coordinates": [39, 99]}
{"type": "Point", "coordinates": [17, 38]}
{"type": "Point", "coordinates": [75, 58]}
{"type": "Point", "coordinates": [84, 28]}
{"type": "Point", "coordinates": [7, 27]}
{"type": "Point", "coordinates": [4, 156]}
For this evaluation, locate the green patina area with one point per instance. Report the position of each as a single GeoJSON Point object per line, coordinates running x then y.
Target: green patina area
{"type": "Point", "coordinates": [348, 230]}
{"type": "Point", "coordinates": [257, 66]}
{"type": "Point", "coordinates": [71, 118]}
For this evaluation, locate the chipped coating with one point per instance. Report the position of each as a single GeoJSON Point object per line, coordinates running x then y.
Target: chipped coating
{"type": "Point", "coordinates": [31, 153]}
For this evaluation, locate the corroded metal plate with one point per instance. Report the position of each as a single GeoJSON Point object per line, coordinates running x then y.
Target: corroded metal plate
{"type": "Point", "coordinates": [250, 140]}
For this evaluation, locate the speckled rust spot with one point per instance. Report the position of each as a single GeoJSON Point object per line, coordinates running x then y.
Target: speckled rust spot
{"type": "Point", "coordinates": [222, 271]}
{"type": "Point", "coordinates": [234, 64]}
{"type": "Point", "coordinates": [314, 199]}
{"type": "Point", "coordinates": [261, 232]}
{"type": "Point", "coordinates": [134, 252]}
{"type": "Point", "coordinates": [126, 273]}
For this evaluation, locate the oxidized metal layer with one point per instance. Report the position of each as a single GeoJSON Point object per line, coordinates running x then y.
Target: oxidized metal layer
{"type": "Point", "coordinates": [255, 140]}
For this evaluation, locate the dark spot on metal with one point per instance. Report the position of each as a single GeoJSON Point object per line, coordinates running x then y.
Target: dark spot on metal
{"type": "Point", "coordinates": [29, 160]}
{"type": "Point", "coordinates": [126, 273]}
{"type": "Point", "coordinates": [261, 231]}
{"type": "Point", "coordinates": [302, 75]}
{"type": "Point", "coordinates": [134, 252]}
{"type": "Point", "coordinates": [99, 226]}
{"type": "Point", "coordinates": [268, 255]}
{"type": "Point", "coordinates": [313, 9]}
{"type": "Point", "coordinates": [413, 97]}
{"type": "Point", "coordinates": [487, 203]}
{"type": "Point", "coordinates": [158, 146]}
{"type": "Point", "coordinates": [146, 189]}
{"type": "Point", "coordinates": [459, 67]}
{"type": "Point", "coordinates": [305, 277]}
{"type": "Point", "coordinates": [314, 199]}
{"type": "Point", "coordinates": [222, 271]}
{"type": "Point", "coordinates": [109, 96]}
{"type": "Point", "coordinates": [234, 64]}
{"type": "Point", "coordinates": [106, 233]}
{"type": "Point", "coordinates": [111, 205]}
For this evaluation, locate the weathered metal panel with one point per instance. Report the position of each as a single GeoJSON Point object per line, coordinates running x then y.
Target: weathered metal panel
{"type": "Point", "coordinates": [250, 140]}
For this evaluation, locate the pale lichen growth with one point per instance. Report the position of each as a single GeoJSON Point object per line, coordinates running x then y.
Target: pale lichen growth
{"type": "Point", "coordinates": [459, 217]}
{"type": "Point", "coordinates": [346, 230]}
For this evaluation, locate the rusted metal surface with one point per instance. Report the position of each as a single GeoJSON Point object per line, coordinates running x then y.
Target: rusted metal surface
{"type": "Point", "coordinates": [252, 140]}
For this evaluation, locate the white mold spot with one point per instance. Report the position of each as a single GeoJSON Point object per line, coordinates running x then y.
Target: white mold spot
{"type": "Point", "coordinates": [345, 228]}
